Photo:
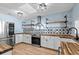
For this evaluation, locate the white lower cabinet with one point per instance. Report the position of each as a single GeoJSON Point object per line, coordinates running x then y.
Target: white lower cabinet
{"type": "Point", "coordinates": [27, 38]}
{"type": "Point", "coordinates": [44, 41]}
{"type": "Point", "coordinates": [23, 38]}
{"type": "Point", "coordinates": [50, 42]}
{"type": "Point", "coordinates": [18, 38]}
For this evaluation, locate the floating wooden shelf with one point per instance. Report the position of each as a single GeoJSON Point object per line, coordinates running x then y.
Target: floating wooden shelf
{"type": "Point", "coordinates": [28, 25]}
{"type": "Point", "coordinates": [50, 22]}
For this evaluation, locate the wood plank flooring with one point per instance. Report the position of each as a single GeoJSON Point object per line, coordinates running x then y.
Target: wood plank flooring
{"type": "Point", "coordinates": [4, 47]}
{"type": "Point", "coordinates": [69, 48]}
{"type": "Point", "coordinates": [26, 49]}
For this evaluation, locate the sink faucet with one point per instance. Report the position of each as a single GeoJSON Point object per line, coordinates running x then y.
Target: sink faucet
{"type": "Point", "coordinates": [76, 31]}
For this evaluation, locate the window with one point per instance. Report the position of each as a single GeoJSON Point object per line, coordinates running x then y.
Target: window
{"type": "Point", "coordinates": [2, 26]}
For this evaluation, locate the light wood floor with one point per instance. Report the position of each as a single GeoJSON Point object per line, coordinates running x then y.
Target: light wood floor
{"type": "Point", "coordinates": [4, 47]}
{"type": "Point", "coordinates": [26, 49]}
{"type": "Point", "coordinates": [69, 48]}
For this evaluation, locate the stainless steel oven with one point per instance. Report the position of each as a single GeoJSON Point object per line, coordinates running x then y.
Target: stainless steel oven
{"type": "Point", "coordinates": [36, 40]}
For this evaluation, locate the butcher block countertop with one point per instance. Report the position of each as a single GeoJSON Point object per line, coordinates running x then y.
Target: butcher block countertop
{"type": "Point", "coordinates": [68, 48]}
{"type": "Point", "coordinates": [27, 49]}
{"type": "Point", "coordinates": [61, 36]}
{"type": "Point", "coordinates": [55, 35]}
{"type": "Point", "coordinates": [23, 33]}
{"type": "Point", "coordinates": [4, 48]}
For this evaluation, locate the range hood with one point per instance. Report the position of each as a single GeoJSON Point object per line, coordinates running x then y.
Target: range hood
{"type": "Point", "coordinates": [39, 23]}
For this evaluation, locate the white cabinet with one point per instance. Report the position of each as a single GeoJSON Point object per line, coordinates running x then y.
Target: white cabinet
{"type": "Point", "coordinates": [18, 38]}
{"type": "Point", "coordinates": [44, 41]}
{"type": "Point", "coordinates": [50, 42]}
{"type": "Point", "coordinates": [56, 42]}
{"type": "Point", "coordinates": [27, 38]}
{"type": "Point", "coordinates": [23, 38]}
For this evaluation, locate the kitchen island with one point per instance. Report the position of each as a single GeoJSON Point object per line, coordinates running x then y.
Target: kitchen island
{"type": "Point", "coordinates": [4, 48]}
{"type": "Point", "coordinates": [68, 48]}
{"type": "Point", "coordinates": [53, 41]}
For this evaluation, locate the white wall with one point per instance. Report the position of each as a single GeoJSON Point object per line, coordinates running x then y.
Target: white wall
{"type": "Point", "coordinates": [75, 16]}
{"type": "Point", "coordinates": [9, 18]}
{"type": "Point", "coordinates": [59, 16]}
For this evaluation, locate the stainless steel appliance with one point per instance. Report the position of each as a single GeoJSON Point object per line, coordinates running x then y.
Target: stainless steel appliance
{"type": "Point", "coordinates": [36, 40]}
{"type": "Point", "coordinates": [11, 40]}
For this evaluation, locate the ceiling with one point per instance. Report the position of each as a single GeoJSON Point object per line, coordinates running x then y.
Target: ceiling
{"type": "Point", "coordinates": [30, 10]}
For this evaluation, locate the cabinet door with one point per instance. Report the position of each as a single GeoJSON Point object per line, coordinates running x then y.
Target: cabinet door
{"type": "Point", "coordinates": [44, 41]}
{"type": "Point", "coordinates": [50, 43]}
{"type": "Point", "coordinates": [19, 38]}
{"type": "Point", "coordinates": [27, 38]}
{"type": "Point", "coordinates": [56, 41]}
